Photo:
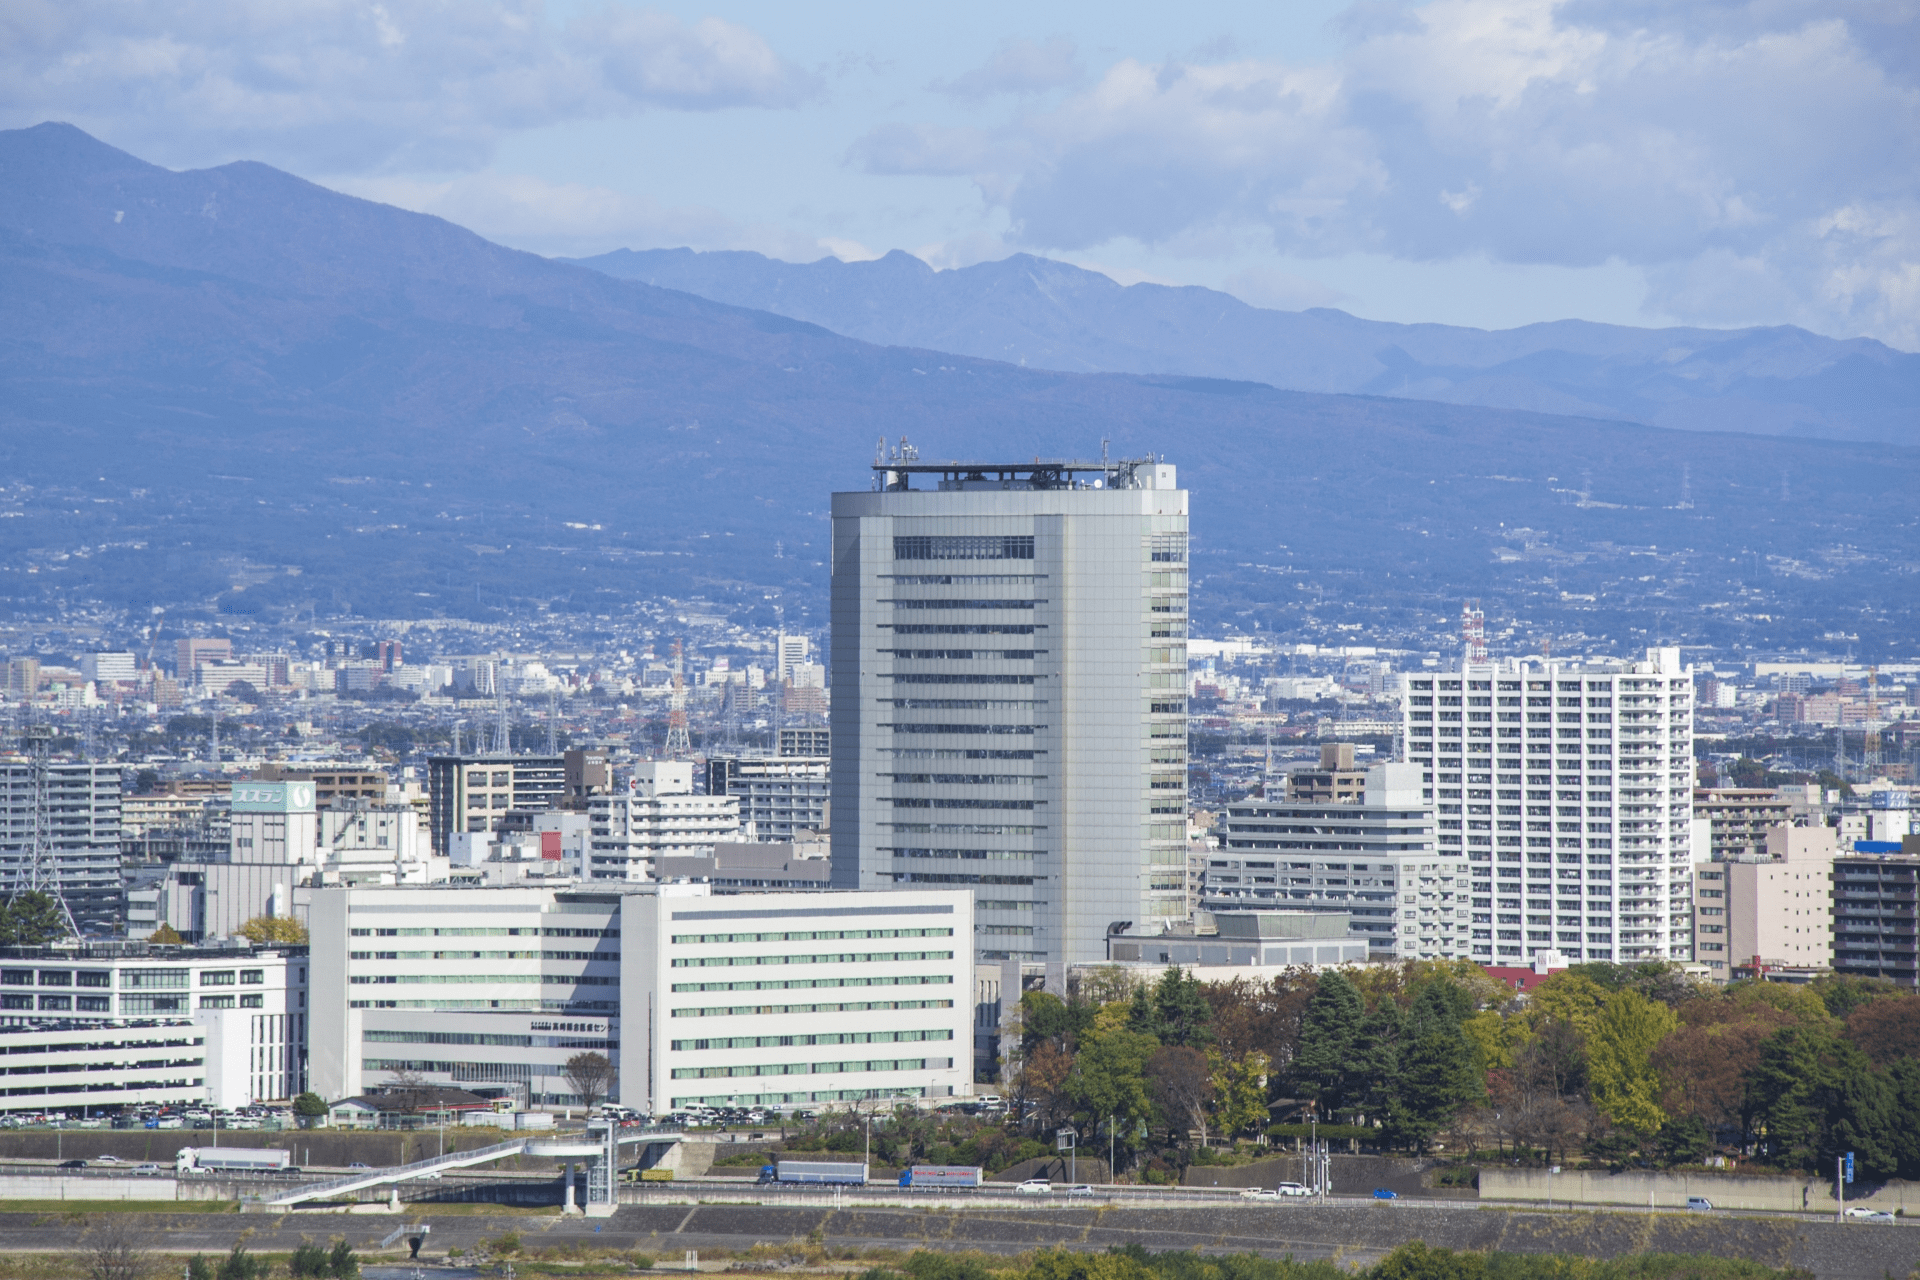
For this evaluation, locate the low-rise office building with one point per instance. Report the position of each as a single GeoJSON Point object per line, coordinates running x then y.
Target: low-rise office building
{"type": "Point", "coordinates": [251, 1004]}
{"type": "Point", "coordinates": [774, 1000]}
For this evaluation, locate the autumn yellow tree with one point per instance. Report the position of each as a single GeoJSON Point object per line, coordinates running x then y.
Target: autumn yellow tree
{"type": "Point", "coordinates": [1626, 1084]}
{"type": "Point", "coordinates": [271, 930]}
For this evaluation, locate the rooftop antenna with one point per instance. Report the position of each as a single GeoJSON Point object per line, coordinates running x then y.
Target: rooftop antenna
{"type": "Point", "coordinates": [1686, 486]}
{"type": "Point", "coordinates": [553, 744]}
{"type": "Point", "coordinates": [43, 867]}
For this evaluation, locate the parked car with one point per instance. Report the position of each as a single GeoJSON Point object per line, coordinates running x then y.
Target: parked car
{"type": "Point", "coordinates": [1034, 1187]}
{"type": "Point", "coordinates": [1384, 1193]}
{"type": "Point", "coordinates": [1259, 1193]}
{"type": "Point", "coordinates": [1699, 1204]}
{"type": "Point", "coordinates": [1293, 1189]}
{"type": "Point", "coordinates": [1081, 1189]}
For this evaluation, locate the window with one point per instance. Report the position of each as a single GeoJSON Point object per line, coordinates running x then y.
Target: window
{"type": "Point", "coordinates": [252, 977]}
{"type": "Point", "coordinates": [216, 1002]}
{"type": "Point", "coordinates": [92, 978]}
{"type": "Point", "coordinates": [92, 1004]}
{"type": "Point", "coordinates": [216, 978]}
{"type": "Point", "coordinates": [963, 548]}
{"type": "Point", "coordinates": [56, 977]}
{"type": "Point", "coordinates": [252, 1000]}
{"type": "Point", "coordinates": [153, 979]}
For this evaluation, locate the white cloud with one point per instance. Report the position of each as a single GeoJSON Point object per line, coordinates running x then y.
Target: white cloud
{"type": "Point", "coordinates": [1017, 66]}
{"type": "Point", "coordinates": [576, 220]}
{"type": "Point", "coordinates": [340, 86]}
{"type": "Point", "coordinates": [1758, 160]}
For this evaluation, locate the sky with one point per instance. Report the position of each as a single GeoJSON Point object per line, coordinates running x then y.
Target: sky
{"type": "Point", "coordinates": [1479, 162]}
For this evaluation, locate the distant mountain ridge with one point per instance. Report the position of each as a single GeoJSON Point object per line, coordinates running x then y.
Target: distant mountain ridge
{"type": "Point", "coordinates": [232, 393]}
{"type": "Point", "coordinates": [1052, 315]}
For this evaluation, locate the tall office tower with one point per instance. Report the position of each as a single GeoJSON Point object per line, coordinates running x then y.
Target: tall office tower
{"type": "Point", "coordinates": [1009, 695]}
{"type": "Point", "coordinates": [1569, 786]}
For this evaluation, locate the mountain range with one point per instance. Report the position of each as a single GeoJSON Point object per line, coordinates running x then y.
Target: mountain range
{"type": "Point", "coordinates": [1051, 315]}
{"type": "Point", "coordinates": [235, 393]}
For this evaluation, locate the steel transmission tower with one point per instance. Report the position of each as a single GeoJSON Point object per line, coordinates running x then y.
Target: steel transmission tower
{"type": "Point", "coordinates": [679, 744]}
{"type": "Point", "coordinates": [42, 872]}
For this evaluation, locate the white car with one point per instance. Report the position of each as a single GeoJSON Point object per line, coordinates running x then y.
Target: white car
{"type": "Point", "coordinates": [1294, 1189]}
{"type": "Point", "coordinates": [1259, 1193]}
{"type": "Point", "coordinates": [1083, 1189]}
{"type": "Point", "coordinates": [106, 1159]}
{"type": "Point", "coordinates": [1034, 1187]}
{"type": "Point", "coordinates": [1860, 1211]}
{"type": "Point", "coordinates": [1880, 1215]}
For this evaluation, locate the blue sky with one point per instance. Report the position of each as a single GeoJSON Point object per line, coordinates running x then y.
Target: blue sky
{"type": "Point", "coordinates": [1482, 162]}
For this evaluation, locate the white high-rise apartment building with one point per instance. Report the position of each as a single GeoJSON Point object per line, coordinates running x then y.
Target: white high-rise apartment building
{"type": "Point", "coordinates": [1569, 786]}
{"type": "Point", "coordinates": [1009, 695]}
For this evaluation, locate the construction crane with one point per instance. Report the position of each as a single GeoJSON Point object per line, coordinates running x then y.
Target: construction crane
{"type": "Point", "coordinates": [679, 744]}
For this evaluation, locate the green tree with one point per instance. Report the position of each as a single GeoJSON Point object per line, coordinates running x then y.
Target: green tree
{"type": "Point", "coordinates": [1780, 1093]}
{"type": "Point", "coordinates": [1439, 1073]}
{"type": "Point", "coordinates": [1857, 1105]}
{"type": "Point", "coordinates": [310, 1106]}
{"type": "Point", "coordinates": [342, 1264]}
{"type": "Point", "coordinates": [1626, 1087]}
{"type": "Point", "coordinates": [1684, 1141]}
{"type": "Point", "coordinates": [165, 936]}
{"type": "Point", "coordinates": [1418, 1260]}
{"type": "Point", "coordinates": [1046, 1017]}
{"type": "Point", "coordinates": [31, 920]}
{"type": "Point", "coordinates": [1109, 1079]}
{"type": "Point", "coordinates": [1328, 1028]}
{"type": "Point", "coordinates": [1903, 1078]}
{"type": "Point", "coordinates": [1181, 1010]}
{"type": "Point", "coordinates": [1373, 1074]}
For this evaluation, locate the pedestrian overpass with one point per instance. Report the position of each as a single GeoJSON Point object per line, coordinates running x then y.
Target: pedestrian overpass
{"type": "Point", "coordinates": [598, 1149]}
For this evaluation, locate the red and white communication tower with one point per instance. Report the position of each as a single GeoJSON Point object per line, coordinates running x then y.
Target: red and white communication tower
{"type": "Point", "coordinates": [1473, 632]}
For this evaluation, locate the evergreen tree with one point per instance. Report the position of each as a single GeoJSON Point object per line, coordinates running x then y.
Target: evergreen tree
{"type": "Point", "coordinates": [1329, 1026]}
{"type": "Point", "coordinates": [1182, 1011]}
{"type": "Point", "coordinates": [1372, 1082]}
{"type": "Point", "coordinates": [1439, 1073]}
{"type": "Point", "coordinates": [1858, 1105]}
{"type": "Point", "coordinates": [1780, 1093]}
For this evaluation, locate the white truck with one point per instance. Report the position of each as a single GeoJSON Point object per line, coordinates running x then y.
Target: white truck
{"type": "Point", "coordinates": [231, 1160]}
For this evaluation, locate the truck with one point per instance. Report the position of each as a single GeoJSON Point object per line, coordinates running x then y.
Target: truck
{"type": "Point", "coordinates": [935, 1176]}
{"type": "Point", "coordinates": [815, 1173]}
{"type": "Point", "coordinates": [231, 1160]}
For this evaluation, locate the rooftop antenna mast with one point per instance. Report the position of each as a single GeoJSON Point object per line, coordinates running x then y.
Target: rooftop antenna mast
{"type": "Point", "coordinates": [553, 736]}
{"type": "Point", "coordinates": [679, 744]}
{"type": "Point", "coordinates": [43, 867]}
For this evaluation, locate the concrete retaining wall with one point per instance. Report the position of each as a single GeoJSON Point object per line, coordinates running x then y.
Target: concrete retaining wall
{"type": "Point", "coordinates": [45, 1188]}
{"type": "Point", "coordinates": [1670, 1190]}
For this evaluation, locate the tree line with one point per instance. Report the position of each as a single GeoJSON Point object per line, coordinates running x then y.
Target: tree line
{"type": "Point", "coordinates": [1620, 1064]}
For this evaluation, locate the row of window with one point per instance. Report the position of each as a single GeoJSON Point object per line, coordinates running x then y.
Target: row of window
{"type": "Point", "coordinates": [804, 984]}
{"type": "Point", "coordinates": [484, 955]}
{"type": "Point", "coordinates": [131, 979]}
{"type": "Point", "coordinates": [553, 979]}
{"type": "Point", "coordinates": [847, 957]}
{"type": "Point", "coordinates": [817, 935]}
{"type": "Point", "coordinates": [831, 1037]}
{"type": "Point", "coordinates": [485, 932]}
{"type": "Point", "coordinates": [800, 1069]}
{"type": "Point", "coordinates": [850, 1006]}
